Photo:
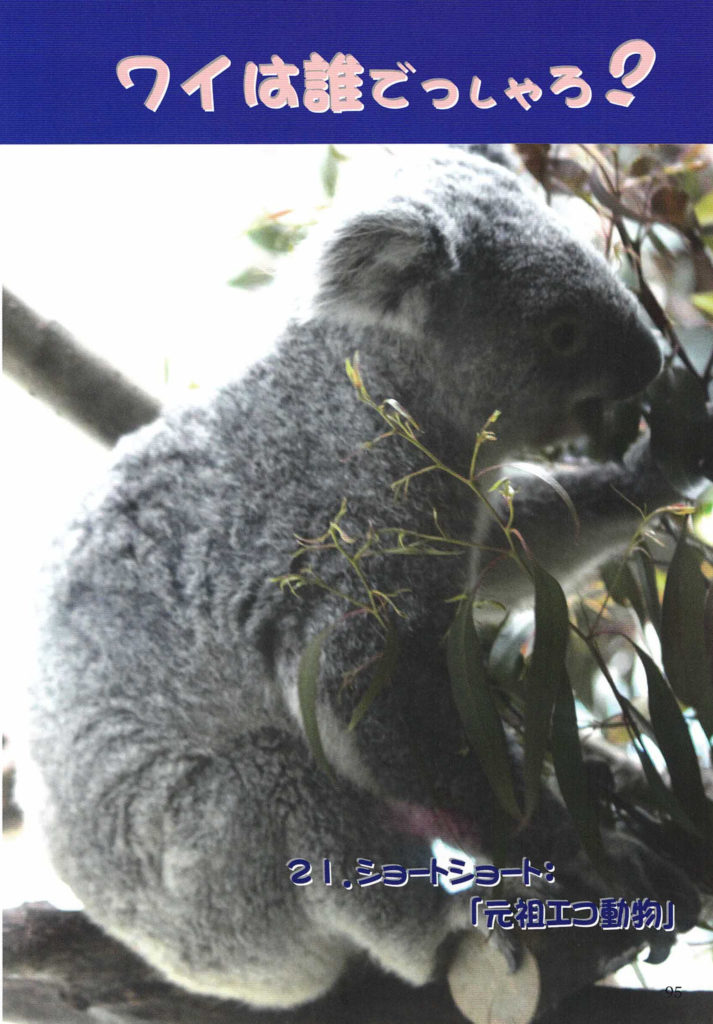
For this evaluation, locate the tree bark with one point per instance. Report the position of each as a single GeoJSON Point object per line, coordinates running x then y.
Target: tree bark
{"type": "Point", "coordinates": [46, 360]}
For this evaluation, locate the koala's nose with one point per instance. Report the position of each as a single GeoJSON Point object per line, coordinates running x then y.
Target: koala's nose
{"type": "Point", "coordinates": [634, 364]}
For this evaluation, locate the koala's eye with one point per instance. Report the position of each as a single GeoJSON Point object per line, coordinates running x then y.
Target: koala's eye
{"type": "Point", "coordinates": [565, 337]}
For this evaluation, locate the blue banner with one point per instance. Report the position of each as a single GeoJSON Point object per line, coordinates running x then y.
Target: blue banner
{"type": "Point", "coordinates": [89, 71]}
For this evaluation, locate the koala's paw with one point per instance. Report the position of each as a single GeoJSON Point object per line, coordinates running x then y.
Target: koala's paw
{"type": "Point", "coordinates": [486, 989]}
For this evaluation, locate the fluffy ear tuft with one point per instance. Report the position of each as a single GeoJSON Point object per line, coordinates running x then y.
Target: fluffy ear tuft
{"type": "Point", "coordinates": [380, 267]}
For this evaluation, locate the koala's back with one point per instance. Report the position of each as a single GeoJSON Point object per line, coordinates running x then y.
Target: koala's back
{"type": "Point", "coordinates": [164, 624]}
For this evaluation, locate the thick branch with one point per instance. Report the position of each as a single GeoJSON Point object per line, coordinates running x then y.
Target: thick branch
{"type": "Point", "coordinates": [60, 968]}
{"type": "Point", "coordinates": [47, 361]}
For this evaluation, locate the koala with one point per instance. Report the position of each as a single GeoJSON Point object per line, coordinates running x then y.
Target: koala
{"type": "Point", "coordinates": [167, 721]}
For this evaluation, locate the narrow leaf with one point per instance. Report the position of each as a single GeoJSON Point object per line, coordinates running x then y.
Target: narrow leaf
{"type": "Point", "coordinates": [307, 685]}
{"type": "Point", "coordinates": [661, 796]}
{"type": "Point", "coordinates": [476, 706]}
{"type": "Point", "coordinates": [675, 744]}
{"type": "Point", "coordinates": [683, 641]}
{"type": "Point", "coordinates": [645, 571]}
{"type": "Point", "coordinates": [708, 623]}
{"type": "Point", "coordinates": [546, 672]}
{"type": "Point", "coordinates": [624, 587]}
{"type": "Point", "coordinates": [330, 170]}
{"type": "Point", "coordinates": [533, 469]}
{"type": "Point", "coordinates": [381, 678]}
{"type": "Point", "coordinates": [572, 775]}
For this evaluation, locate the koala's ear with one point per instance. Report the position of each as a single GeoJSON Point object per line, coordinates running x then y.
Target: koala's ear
{"type": "Point", "coordinates": [381, 267]}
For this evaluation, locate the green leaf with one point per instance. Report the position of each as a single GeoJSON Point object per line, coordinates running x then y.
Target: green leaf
{"type": "Point", "coordinates": [580, 663]}
{"type": "Point", "coordinates": [708, 623]}
{"type": "Point", "coordinates": [704, 210]}
{"type": "Point", "coordinates": [546, 672]}
{"type": "Point", "coordinates": [704, 302]}
{"type": "Point", "coordinates": [675, 744]}
{"type": "Point", "coordinates": [505, 661]}
{"type": "Point", "coordinates": [307, 685]}
{"type": "Point", "coordinates": [572, 775]}
{"type": "Point", "coordinates": [275, 236]}
{"type": "Point", "coordinates": [624, 587]}
{"type": "Point", "coordinates": [633, 582]}
{"type": "Point", "coordinates": [683, 641]}
{"type": "Point", "coordinates": [253, 277]}
{"type": "Point", "coordinates": [532, 469]}
{"type": "Point", "coordinates": [476, 706]}
{"type": "Point", "coordinates": [381, 678]}
{"type": "Point", "coordinates": [330, 170]}
{"type": "Point", "coordinates": [661, 796]}
{"type": "Point", "coordinates": [645, 571]}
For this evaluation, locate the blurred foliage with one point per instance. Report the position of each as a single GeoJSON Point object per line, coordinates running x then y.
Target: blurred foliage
{"type": "Point", "coordinates": [277, 234]}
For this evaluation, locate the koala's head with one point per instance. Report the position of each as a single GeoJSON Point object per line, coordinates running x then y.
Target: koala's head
{"type": "Point", "coordinates": [490, 297]}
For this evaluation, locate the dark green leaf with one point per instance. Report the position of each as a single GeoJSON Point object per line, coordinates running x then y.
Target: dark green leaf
{"type": "Point", "coordinates": [661, 795]}
{"type": "Point", "coordinates": [645, 571]}
{"type": "Point", "coordinates": [708, 623]}
{"type": "Point", "coordinates": [572, 775]}
{"type": "Point", "coordinates": [307, 685]}
{"type": "Point", "coordinates": [545, 674]}
{"type": "Point", "coordinates": [476, 706]}
{"type": "Point", "coordinates": [623, 586]}
{"type": "Point", "coordinates": [381, 678]}
{"type": "Point", "coordinates": [683, 642]}
{"type": "Point", "coordinates": [634, 583]}
{"type": "Point", "coordinates": [675, 744]}
{"type": "Point", "coordinates": [505, 661]}
{"type": "Point", "coordinates": [580, 663]}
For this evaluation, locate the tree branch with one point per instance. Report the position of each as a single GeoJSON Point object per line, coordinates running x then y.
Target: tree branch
{"type": "Point", "coordinates": [60, 968]}
{"type": "Point", "coordinates": [47, 361]}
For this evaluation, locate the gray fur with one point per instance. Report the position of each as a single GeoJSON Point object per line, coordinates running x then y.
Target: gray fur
{"type": "Point", "coordinates": [166, 722]}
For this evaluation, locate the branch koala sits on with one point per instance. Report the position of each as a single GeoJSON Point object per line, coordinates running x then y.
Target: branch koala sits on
{"type": "Point", "coordinates": [167, 721]}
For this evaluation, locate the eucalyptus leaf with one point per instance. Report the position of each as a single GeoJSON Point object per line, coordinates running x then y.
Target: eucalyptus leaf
{"type": "Point", "coordinates": [476, 706]}
{"type": "Point", "coordinates": [275, 236]}
{"type": "Point", "coordinates": [252, 277]}
{"type": "Point", "coordinates": [545, 674]}
{"type": "Point", "coordinates": [572, 775]}
{"type": "Point", "coordinates": [307, 686]}
{"type": "Point", "coordinates": [382, 677]}
{"type": "Point", "coordinates": [330, 170]}
{"type": "Point", "coordinates": [704, 302]}
{"type": "Point", "coordinates": [659, 793]}
{"type": "Point", "coordinates": [683, 640]}
{"type": "Point", "coordinates": [675, 744]}
{"type": "Point", "coordinates": [643, 566]}
{"type": "Point", "coordinates": [704, 209]}
{"type": "Point", "coordinates": [624, 587]}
